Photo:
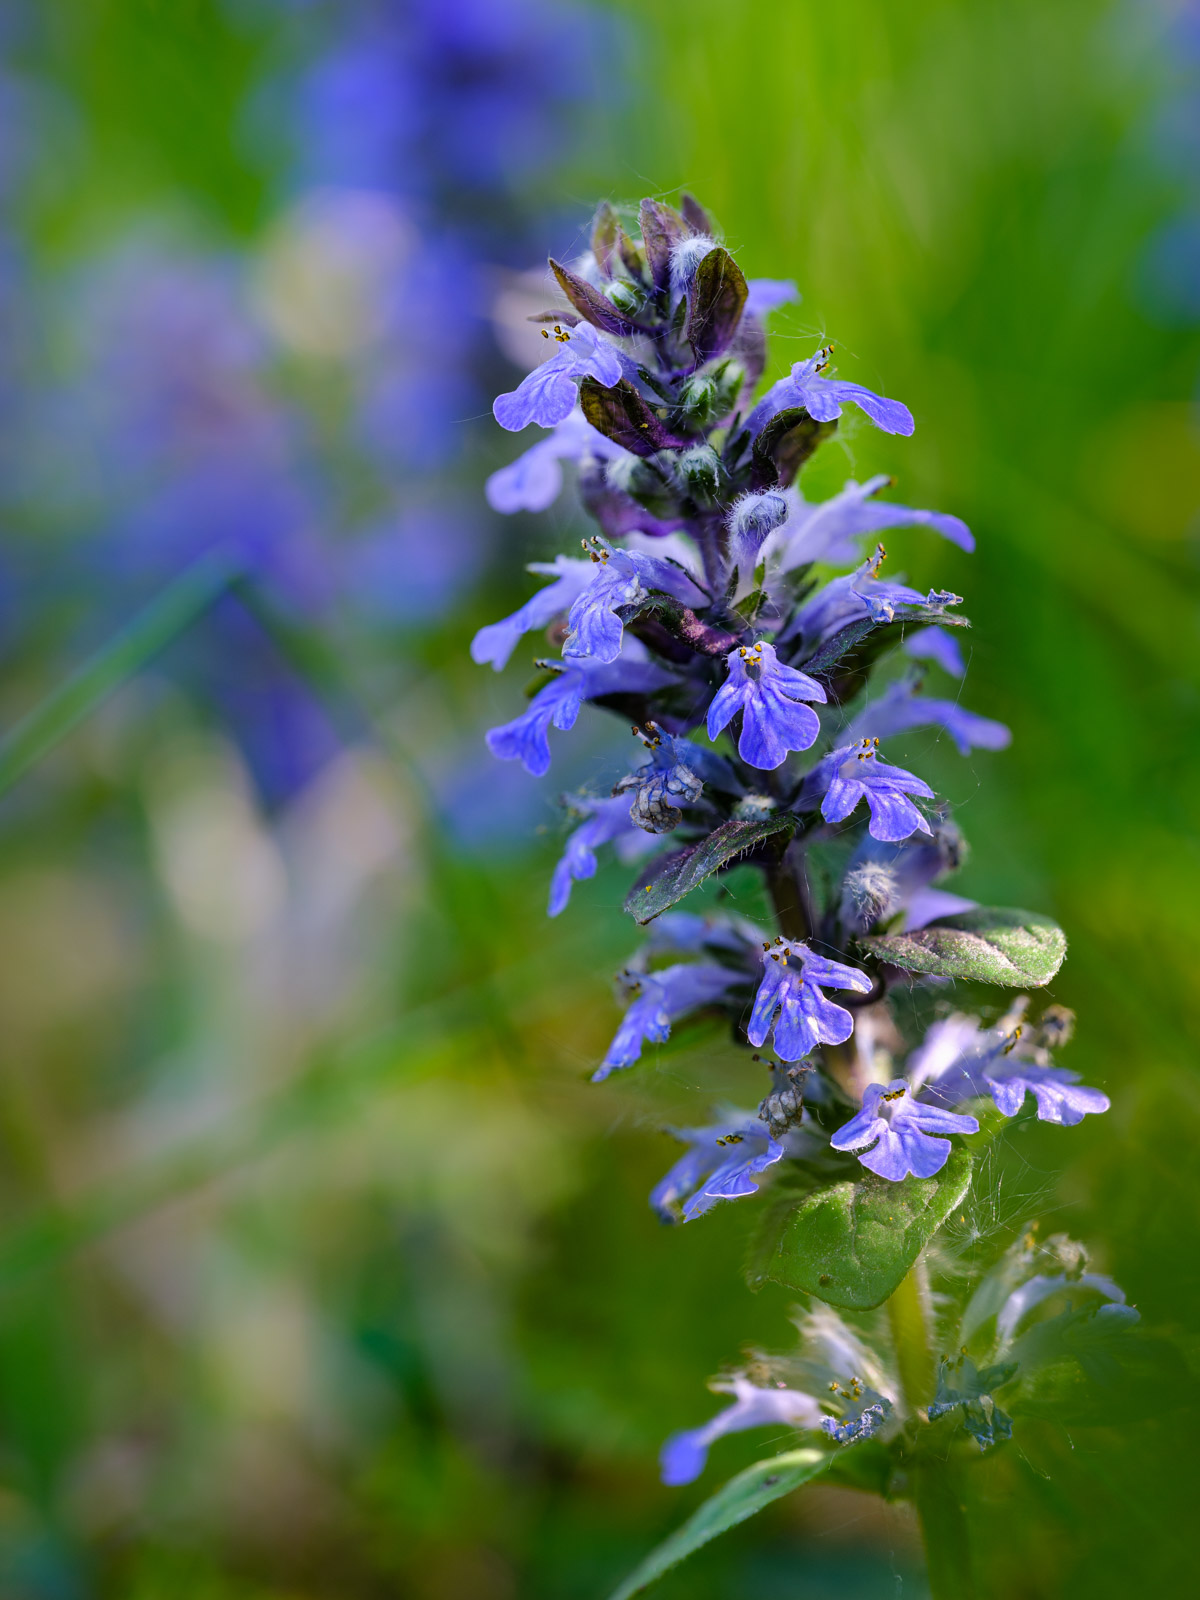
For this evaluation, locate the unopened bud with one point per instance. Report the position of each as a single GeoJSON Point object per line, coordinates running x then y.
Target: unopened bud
{"type": "Point", "coordinates": [754, 516]}
{"type": "Point", "coordinates": [625, 296]}
{"type": "Point", "coordinates": [686, 256]}
{"type": "Point", "coordinates": [701, 469]}
{"type": "Point", "coordinates": [751, 519]}
{"type": "Point", "coordinates": [869, 893]}
{"type": "Point", "coordinates": [698, 397]}
{"type": "Point", "coordinates": [1056, 1027]}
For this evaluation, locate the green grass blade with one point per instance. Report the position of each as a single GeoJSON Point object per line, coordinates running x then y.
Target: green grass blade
{"type": "Point", "coordinates": [739, 1499]}
{"type": "Point", "coordinates": [167, 615]}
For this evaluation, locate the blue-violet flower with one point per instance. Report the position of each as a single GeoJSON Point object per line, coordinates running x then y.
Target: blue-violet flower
{"type": "Point", "coordinates": [793, 976]}
{"type": "Point", "coordinates": [899, 1129]}
{"type": "Point", "coordinates": [720, 1164]}
{"type": "Point", "coordinates": [548, 394]}
{"type": "Point", "coordinates": [769, 695]}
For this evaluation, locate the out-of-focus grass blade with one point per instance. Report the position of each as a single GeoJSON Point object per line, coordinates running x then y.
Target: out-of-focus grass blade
{"type": "Point", "coordinates": [167, 615]}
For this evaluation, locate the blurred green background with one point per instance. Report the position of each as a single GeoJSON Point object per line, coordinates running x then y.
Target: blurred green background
{"type": "Point", "coordinates": [323, 1270]}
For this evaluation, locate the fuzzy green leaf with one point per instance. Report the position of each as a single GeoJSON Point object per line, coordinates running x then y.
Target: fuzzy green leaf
{"type": "Point", "coordinates": [784, 445]}
{"type": "Point", "coordinates": [852, 1243]}
{"type": "Point", "coordinates": [670, 877]}
{"type": "Point", "coordinates": [990, 944]}
{"type": "Point", "coordinates": [742, 1497]}
{"type": "Point", "coordinates": [620, 414]}
{"type": "Point", "coordinates": [715, 303]}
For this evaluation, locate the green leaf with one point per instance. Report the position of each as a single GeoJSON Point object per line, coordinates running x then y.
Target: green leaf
{"type": "Point", "coordinates": [849, 641]}
{"type": "Point", "coordinates": [662, 228]}
{"type": "Point", "coordinates": [594, 307]}
{"type": "Point", "coordinates": [990, 944]}
{"type": "Point", "coordinates": [620, 414]}
{"type": "Point", "coordinates": [670, 877]}
{"type": "Point", "coordinates": [852, 1243]}
{"type": "Point", "coordinates": [606, 230]}
{"type": "Point", "coordinates": [741, 1497]}
{"type": "Point", "coordinates": [715, 303]}
{"type": "Point", "coordinates": [784, 445]}
{"type": "Point", "coordinates": [173, 610]}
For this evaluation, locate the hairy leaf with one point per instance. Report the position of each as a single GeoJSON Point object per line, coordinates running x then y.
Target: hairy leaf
{"type": "Point", "coordinates": [784, 445]}
{"type": "Point", "coordinates": [622, 415]}
{"type": "Point", "coordinates": [670, 877]}
{"type": "Point", "coordinates": [990, 944]}
{"type": "Point", "coordinates": [694, 214]}
{"type": "Point", "coordinates": [591, 304]}
{"type": "Point", "coordinates": [852, 1243]}
{"type": "Point", "coordinates": [715, 303]}
{"type": "Point", "coordinates": [606, 229]}
{"type": "Point", "coordinates": [662, 227]}
{"type": "Point", "coordinates": [742, 1497]}
{"type": "Point", "coordinates": [844, 661]}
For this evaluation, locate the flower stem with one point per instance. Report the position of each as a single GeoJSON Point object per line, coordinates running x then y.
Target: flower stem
{"type": "Point", "coordinates": [936, 1486]}
{"type": "Point", "coordinates": [910, 1336]}
{"type": "Point", "coordinates": [944, 1530]}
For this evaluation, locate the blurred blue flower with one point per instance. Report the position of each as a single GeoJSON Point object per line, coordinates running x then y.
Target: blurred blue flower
{"type": "Point", "coordinates": [901, 706]}
{"type": "Point", "coordinates": [534, 480]}
{"type": "Point", "coordinates": [829, 529]}
{"type": "Point", "coordinates": [935, 644]}
{"type": "Point", "coordinates": [684, 1454]}
{"type": "Point", "coordinates": [658, 999]}
{"type": "Point", "coordinates": [607, 821]}
{"type": "Point", "coordinates": [719, 1165]}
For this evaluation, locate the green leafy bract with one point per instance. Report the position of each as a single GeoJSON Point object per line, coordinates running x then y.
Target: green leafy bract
{"type": "Point", "coordinates": [620, 414]}
{"type": "Point", "coordinates": [740, 1498]}
{"type": "Point", "coordinates": [670, 877]}
{"type": "Point", "coordinates": [715, 304]}
{"type": "Point", "coordinates": [852, 1243]}
{"type": "Point", "coordinates": [990, 944]}
{"type": "Point", "coordinates": [784, 445]}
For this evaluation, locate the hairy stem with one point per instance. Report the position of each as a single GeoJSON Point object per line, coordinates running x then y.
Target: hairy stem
{"type": "Point", "coordinates": [936, 1484]}
{"type": "Point", "coordinates": [788, 898]}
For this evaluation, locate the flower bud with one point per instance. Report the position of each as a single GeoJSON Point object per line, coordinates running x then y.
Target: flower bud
{"type": "Point", "coordinates": [686, 256]}
{"type": "Point", "coordinates": [868, 894]}
{"type": "Point", "coordinates": [701, 469]}
{"type": "Point", "coordinates": [625, 296]}
{"type": "Point", "coordinates": [698, 398]}
{"type": "Point", "coordinates": [751, 519]}
{"type": "Point", "coordinates": [1056, 1027]}
{"type": "Point", "coordinates": [754, 516]}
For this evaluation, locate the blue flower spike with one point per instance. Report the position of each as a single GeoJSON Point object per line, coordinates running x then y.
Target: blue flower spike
{"type": "Point", "coordinates": [797, 882]}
